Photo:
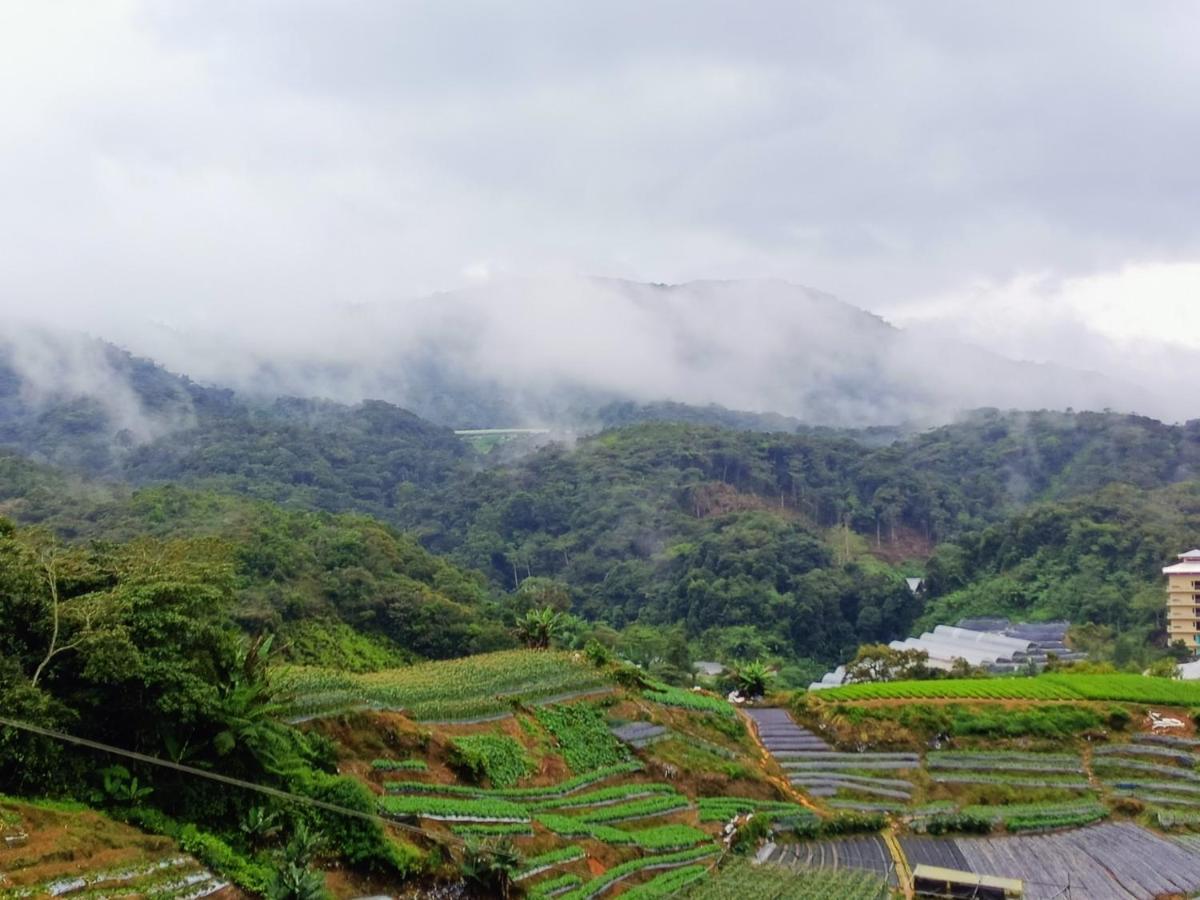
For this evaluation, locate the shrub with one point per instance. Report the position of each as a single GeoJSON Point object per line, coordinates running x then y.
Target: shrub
{"type": "Point", "coordinates": [750, 833]}
{"type": "Point", "coordinates": [243, 871]}
{"type": "Point", "coordinates": [399, 765]}
{"type": "Point", "coordinates": [970, 823]}
{"type": "Point", "coordinates": [843, 823]}
{"type": "Point", "coordinates": [358, 841]}
{"type": "Point", "coordinates": [1118, 718]}
{"type": "Point", "coordinates": [294, 882]}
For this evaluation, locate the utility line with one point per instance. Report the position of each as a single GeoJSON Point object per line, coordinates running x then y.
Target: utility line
{"type": "Point", "coordinates": [224, 779]}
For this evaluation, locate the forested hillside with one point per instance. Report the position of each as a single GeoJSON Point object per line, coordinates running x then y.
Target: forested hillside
{"type": "Point", "coordinates": [788, 544]}
{"type": "Point", "coordinates": [1092, 559]}
{"type": "Point", "coordinates": [339, 587]}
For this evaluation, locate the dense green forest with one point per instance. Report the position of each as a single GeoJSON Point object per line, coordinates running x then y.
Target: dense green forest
{"type": "Point", "coordinates": [788, 544]}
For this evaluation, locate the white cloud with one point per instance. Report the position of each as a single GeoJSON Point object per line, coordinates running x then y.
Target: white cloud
{"type": "Point", "coordinates": [252, 166]}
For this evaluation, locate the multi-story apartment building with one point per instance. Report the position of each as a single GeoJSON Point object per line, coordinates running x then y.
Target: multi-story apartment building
{"type": "Point", "coordinates": [1183, 599]}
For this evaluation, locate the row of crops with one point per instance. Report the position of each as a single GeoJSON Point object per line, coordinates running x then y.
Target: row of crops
{"type": "Point", "coordinates": [743, 880]}
{"type": "Point", "coordinates": [543, 862]}
{"type": "Point", "coordinates": [851, 775]}
{"type": "Point", "coordinates": [722, 809]}
{"type": "Point", "coordinates": [1049, 687]}
{"type": "Point", "coordinates": [571, 807]}
{"type": "Point", "coordinates": [656, 838]}
{"type": "Point", "coordinates": [1156, 770]}
{"type": "Point", "coordinates": [1016, 817]}
{"type": "Point", "coordinates": [447, 690]}
{"type": "Point", "coordinates": [174, 878]}
{"type": "Point", "coordinates": [1042, 771]}
{"type": "Point", "coordinates": [562, 789]}
{"type": "Point", "coordinates": [692, 700]}
{"type": "Point", "coordinates": [622, 871]}
{"type": "Point", "coordinates": [668, 884]}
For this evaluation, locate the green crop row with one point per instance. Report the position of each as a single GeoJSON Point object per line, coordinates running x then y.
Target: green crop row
{"type": "Point", "coordinates": [987, 756]}
{"type": "Point", "coordinates": [1173, 819]}
{"type": "Point", "coordinates": [563, 788]}
{"type": "Point", "coordinates": [554, 886]}
{"type": "Point", "coordinates": [673, 696]}
{"type": "Point", "coordinates": [605, 795]}
{"type": "Point", "coordinates": [668, 837]}
{"type": "Point", "coordinates": [568, 827]}
{"type": "Point", "coordinates": [543, 861]}
{"type": "Point", "coordinates": [625, 869]}
{"type": "Point", "coordinates": [1113, 687]}
{"type": "Point", "coordinates": [660, 805]}
{"type": "Point", "coordinates": [667, 884]}
{"type": "Point", "coordinates": [742, 880]}
{"type": "Point", "coordinates": [1062, 820]}
{"type": "Point", "coordinates": [455, 808]}
{"type": "Point", "coordinates": [492, 829]}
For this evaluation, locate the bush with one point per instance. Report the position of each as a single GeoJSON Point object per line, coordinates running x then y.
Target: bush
{"type": "Point", "coordinates": [750, 833]}
{"type": "Point", "coordinates": [243, 871]}
{"type": "Point", "coordinates": [1118, 718]}
{"type": "Point", "coordinates": [969, 823]}
{"type": "Point", "coordinates": [841, 824]}
{"type": "Point", "coordinates": [358, 841]}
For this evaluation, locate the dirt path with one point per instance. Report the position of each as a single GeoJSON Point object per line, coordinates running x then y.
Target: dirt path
{"type": "Point", "coordinates": [903, 872]}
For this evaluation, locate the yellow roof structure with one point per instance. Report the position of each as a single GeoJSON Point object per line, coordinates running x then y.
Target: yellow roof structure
{"type": "Point", "coordinates": [1012, 887]}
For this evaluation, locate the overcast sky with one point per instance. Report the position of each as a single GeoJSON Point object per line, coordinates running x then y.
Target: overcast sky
{"type": "Point", "coordinates": [1022, 173]}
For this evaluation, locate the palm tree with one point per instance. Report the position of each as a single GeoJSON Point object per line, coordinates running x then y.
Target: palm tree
{"type": "Point", "coordinates": [492, 866]}
{"type": "Point", "coordinates": [297, 882]}
{"type": "Point", "coordinates": [250, 710]}
{"type": "Point", "coordinates": [751, 678]}
{"type": "Point", "coordinates": [538, 627]}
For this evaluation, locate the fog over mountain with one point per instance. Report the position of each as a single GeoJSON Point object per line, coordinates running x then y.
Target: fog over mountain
{"type": "Point", "coordinates": [271, 196]}
{"type": "Point", "coordinates": [556, 351]}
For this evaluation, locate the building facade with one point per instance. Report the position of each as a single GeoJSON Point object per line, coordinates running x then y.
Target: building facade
{"type": "Point", "coordinates": [1183, 599]}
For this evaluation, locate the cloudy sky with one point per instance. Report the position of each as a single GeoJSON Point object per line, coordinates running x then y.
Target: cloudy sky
{"type": "Point", "coordinates": [1023, 174]}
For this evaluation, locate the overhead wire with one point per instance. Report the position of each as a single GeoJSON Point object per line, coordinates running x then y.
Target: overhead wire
{"type": "Point", "coordinates": [275, 792]}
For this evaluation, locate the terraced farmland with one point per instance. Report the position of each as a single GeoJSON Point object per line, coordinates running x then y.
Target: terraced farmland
{"type": "Point", "coordinates": [743, 881]}
{"type": "Point", "coordinates": [1103, 862]}
{"type": "Point", "coordinates": [781, 735]}
{"type": "Point", "coordinates": [472, 688]}
{"type": "Point", "coordinates": [815, 768]}
{"type": "Point", "coordinates": [1062, 771]}
{"type": "Point", "coordinates": [1158, 770]}
{"type": "Point", "coordinates": [77, 854]}
{"type": "Point", "coordinates": [868, 853]}
{"type": "Point", "coordinates": [634, 867]}
{"type": "Point", "coordinates": [1048, 687]}
{"type": "Point", "coordinates": [640, 734]}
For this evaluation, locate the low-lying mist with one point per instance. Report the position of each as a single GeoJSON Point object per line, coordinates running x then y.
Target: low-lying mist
{"type": "Point", "coordinates": [553, 351]}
